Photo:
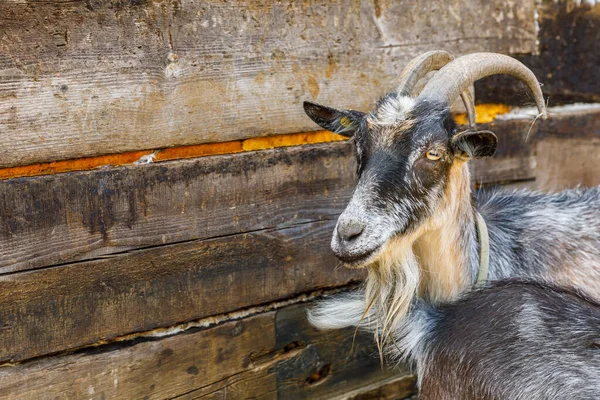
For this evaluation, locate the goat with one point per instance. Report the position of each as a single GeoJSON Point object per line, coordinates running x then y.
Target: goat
{"type": "Point", "coordinates": [510, 340]}
{"type": "Point", "coordinates": [412, 217]}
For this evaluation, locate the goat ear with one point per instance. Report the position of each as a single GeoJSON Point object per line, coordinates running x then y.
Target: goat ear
{"type": "Point", "coordinates": [342, 122]}
{"type": "Point", "coordinates": [475, 144]}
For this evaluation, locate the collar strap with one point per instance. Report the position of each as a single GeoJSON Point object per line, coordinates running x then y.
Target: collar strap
{"type": "Point", "coordinates": [484, 249]}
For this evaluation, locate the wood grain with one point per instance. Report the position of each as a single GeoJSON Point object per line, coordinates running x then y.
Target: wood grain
{"type": "Point", "coordinates": [515, 157]}
{"type": "Point", "coordinates": [328, 366]}
{"type": "Point", "coordinates": [567, 61]}
{"type": "Point", "coordinates": [50, 220]}
{"type": "Point", "coordinates": [567, 163]}
{"type": "Point", "coordinates": [202, 361]}
{"type": "Point", "coordinates": [577, 121]}
{"type": "Point", "coordinates": [523, 153]}
{"type": "Point", "coordinates": [255, 357]}
{"type": "Point", "coordinates": [86, 78]}
{"type": "Point", "coordinates": [568, 150]}
{"type": "Point", "coordinates": [397, 387]}
{"type": "Point", "coordinates": [65, 307]}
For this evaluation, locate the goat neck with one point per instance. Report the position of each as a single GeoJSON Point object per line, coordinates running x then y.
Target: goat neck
{"type": "Point", "coordinates": [447, 248]}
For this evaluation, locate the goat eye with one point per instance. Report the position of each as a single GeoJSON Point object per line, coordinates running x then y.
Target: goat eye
{"type": "Point", "coordinates": [434, 155]}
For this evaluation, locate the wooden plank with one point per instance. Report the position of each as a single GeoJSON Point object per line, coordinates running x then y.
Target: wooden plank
{"type": "Point", "coordinates": [566, 163]}
{"type": "Point", "coordinates": [328, 367]}
{"type": "Point", "coordinates": [85, 78]}
{"type": "Point", "coordinates": [259, 384]}
{"type": "Point", "coordinates": [238, 359]}
{"type": "Point", "coordinates": [521, 154]}
{"type": "Point", "coordinates": [567, 61]}
{"type": "Point", "coordinates": [51, 220]}
{"type": "Point", "coordinates": [568, 152]}
{"type": "Point", "coordinates": [515, 156]}
{"type": "Point", "coordinates": [65, 307]}
{"type": "Point", "coordinates": [577, 121]}
{"type": "Point", "coordinates": [392, 389]}
{"type": "Point", "coordinates": [202, 361]}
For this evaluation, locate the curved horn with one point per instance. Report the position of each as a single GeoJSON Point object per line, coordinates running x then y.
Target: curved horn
{"type": "Point", "coordinates": [469, 103]}
{"type": "Point", "coordinates": [420, 66]}
{"type": "Point", "coordinates": [455, 77]}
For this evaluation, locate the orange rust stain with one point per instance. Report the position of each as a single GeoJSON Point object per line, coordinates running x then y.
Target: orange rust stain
{"type": "Point", "coordinates": [485, 113]}
{"type": "Point", "coordinates": [199, 150]}
{"type": "Point", "coordinates": [81, 164]}
{"type": "Point", "coordinates": [174, 153]}
{"type": "Point", "coordinates": [294, 139]}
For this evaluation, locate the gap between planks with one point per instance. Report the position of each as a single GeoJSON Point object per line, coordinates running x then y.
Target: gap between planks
{"type": "Point", "coordinates": [198, 324]}
{"type": "Point", "coordinates": [485, 113]}
{"type": "Point", "coordinates": [170, 154]}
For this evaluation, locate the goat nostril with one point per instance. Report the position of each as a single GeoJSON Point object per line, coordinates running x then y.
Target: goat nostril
{"type": "Point", "coordinates": [350, 230]}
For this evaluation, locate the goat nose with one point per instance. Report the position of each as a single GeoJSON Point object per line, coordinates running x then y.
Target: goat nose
{"type": "Point", "coordinates": [349, 230]}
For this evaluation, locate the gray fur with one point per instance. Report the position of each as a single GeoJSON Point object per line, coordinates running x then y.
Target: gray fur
{"type": "Point", "coordinates": [511, 340]}
{"type": "Point", "coordinates": [538, 235]}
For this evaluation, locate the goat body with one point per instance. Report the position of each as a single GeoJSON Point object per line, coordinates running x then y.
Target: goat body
{"type": "Point", "coordinates": [511, 340]}
{"type": "Point", "coordinates": [411, 218]}
{"type": "Point", "coordinates": [552, 237]}
{"type": "Point", "coordinates": [411, 223]}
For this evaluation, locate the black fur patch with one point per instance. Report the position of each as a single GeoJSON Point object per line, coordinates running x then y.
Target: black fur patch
{"type": "Point", "coordinates": [427, 125]}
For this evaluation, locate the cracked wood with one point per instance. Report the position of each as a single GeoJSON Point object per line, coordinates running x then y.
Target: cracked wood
{"type": "Point", "coordinates": [270, 355]}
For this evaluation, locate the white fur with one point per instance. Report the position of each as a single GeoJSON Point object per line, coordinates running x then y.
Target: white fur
{"type": "Point", "coordinates": [339, 311]}
{"type": "Point", "coordinates": [393, 110]}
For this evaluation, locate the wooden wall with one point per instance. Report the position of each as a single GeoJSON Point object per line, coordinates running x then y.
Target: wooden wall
{"type": "Point", "coordinates": [189, 276]}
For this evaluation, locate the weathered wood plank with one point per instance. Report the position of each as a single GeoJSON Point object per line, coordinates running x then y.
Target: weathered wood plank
{"type": "Point", "coordinates": [567, 62]}
{"type": "Point", "coordinates": [257, 384]}
{"type": "Point", "coordinates": [577, 121]}
{"type": "Point", "coordinates": [238, 359]}
{"type": "Point", "coordinates": [568, 151]}
{"type": "Point", "coordinates": [515, 157]}
{"type": "Point", "coordinates": [327, 366]}
{"type": "Point", "coordinates": [160, 369]}
{"type": "Point", "coordinates": [522, 154]}
{"type": "Point", "coordinates": [84, 78]}
{"type": "Point", "coordinates": [50, 220]}
{"type": "Point", "coordinates": [567, 163]}
{"type": "Point", "coordinates": [65, 307]}
{"type": "Point", "coordinates": [392, 389]}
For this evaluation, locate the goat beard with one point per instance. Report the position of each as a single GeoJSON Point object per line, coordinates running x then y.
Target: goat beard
{"type": "Point", "coordinates": [390, 288]}
{"type": "Point", "coordinates": [383, 302]}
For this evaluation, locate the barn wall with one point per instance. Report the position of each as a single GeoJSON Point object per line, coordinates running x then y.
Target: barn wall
{"type": "Point", "coordinates": [167, 207]}
{"type": "Point", "coordinates": [84, 78]}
